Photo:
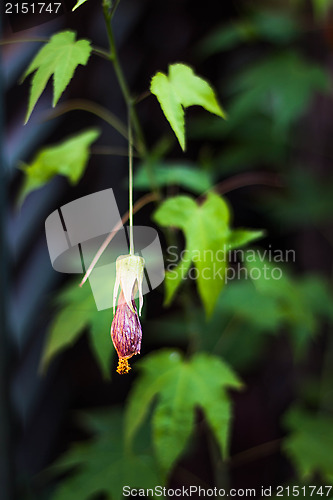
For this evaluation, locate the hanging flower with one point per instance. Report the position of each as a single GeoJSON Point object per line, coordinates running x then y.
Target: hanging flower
{"type": "Point", "coordinates": [129, 276]}
{"type": "Point", "coordinates": [126, 332]}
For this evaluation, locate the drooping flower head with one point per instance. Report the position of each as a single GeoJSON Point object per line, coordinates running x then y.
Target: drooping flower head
{"type": "Point", "coordinates": [126, 332]}
{"type": "Point", "coordinates": [129, 276]}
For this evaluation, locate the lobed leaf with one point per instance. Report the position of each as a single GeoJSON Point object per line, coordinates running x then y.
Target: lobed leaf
{"type": "Point", "coordinates": [180, 386]}
{"type": "Point", "coordinates": [69, 158]}
{"type": "Point", "coordinates": [58, 57]}
{"type": "Point", "coordinates": [208, 239]}
{"type": "Point", "coordinates": [179, 90]}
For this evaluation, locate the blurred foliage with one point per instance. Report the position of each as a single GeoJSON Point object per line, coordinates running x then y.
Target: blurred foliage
{"type": "Point", "coordinates": [302, 302]}
{"type": "Point", "coordinates": [279, 87]}
{"type": "Point", "coordinates": [181, 386]}
{"type": "Point", "coordinates": [310, 442]}
{"type": "Point", "coordinates": [269, 87]}
{"type": "Point", "coordinates": [102, 464]}
{"type": "Point", "coordinates": [69, 158]}
{"type": "Point", "coordinates": [77, 313]}
{"type": "Point", "coordinates": [252, 307]}
{"type": "Point", "coordinates": [180, 174]}
{"type": "Point", "coordinates": [265, 25]}
{"type": "Point", "coordinates": [208, 239]}
{"type": "Point", "coordinates": [307, 200]}
{"type": "Point", "coordinates": [321, 8]}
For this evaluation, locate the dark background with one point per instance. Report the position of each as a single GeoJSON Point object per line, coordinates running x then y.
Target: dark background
{"type": "Point", "coordinates": [36, 411]}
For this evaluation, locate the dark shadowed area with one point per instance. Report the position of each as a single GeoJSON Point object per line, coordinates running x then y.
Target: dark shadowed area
{"type": "Point", "coordinates": [66, 416]}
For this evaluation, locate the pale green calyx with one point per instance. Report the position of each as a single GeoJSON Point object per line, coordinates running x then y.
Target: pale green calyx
{"type": "Point", "coordinates": [129, 276]}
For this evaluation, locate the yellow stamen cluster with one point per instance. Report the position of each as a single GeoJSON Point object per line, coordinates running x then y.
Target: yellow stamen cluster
{"type": "Point", "coordinates": [123, 366]}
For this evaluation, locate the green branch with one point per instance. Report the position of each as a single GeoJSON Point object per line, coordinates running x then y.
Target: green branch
{"type": "Point", "coordinates": [113, 56]}
{"type": "Point", "coordinates": [91, 107]}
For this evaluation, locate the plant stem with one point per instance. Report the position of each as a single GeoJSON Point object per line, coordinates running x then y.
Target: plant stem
{"type": "Point", "coordinates": [90, 107]}
{"type": "Point", "coordinates": [40, 39]}
{"type": "Point", "coordinates": [148, 198]}
{"type": "Point", "coordinates": [113, 56]}
{"type": "Point", "coordinates": [100, 52]}
{"type": "Point", "coordinates": [244, 180]}
{"type": "Point", "coordinates": [114, 8]}
{"type": "Point", "coordinates": [255, 453]}
{"type": "Point", "coordinates": [130, 187]}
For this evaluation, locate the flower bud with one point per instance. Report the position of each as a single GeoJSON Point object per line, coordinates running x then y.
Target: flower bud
{"type": "Point", "coordinates": [126, 333]}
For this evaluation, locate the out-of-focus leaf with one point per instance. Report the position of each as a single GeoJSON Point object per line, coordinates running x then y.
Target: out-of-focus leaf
{"type": "Point", "coordinates": [242, 316]}
{"type": "Point", "coordinates": [102, 465]}
{"type": "Point", "coordinates": [280, 86]}
{"type": "Point", "coordinates": [179, 90]}
{"type": "Point", "coordinates": [208, 238]}
{"type": "Point", "coordinates": [181, 386]}
{"type": "Point", "coordinates": [77, 314]}
{"type": "Point", "coordinates": [318, 294]}
{"type": "Point", "coordinates": [184, 175]}
{"type": "Point", "coordinates": [272, 26]}
{"type": "Point", "coordinates": [321, 8]}
{"type": "Point", "coordinates": [58, 57]}
{"type": "Point", "coordinates": [310, 442]}
{"type": "Point", "coordinates": [241, 237]}
{"type": "Point", "coordinates": [242, 300]}
{"type": "Point", "coordinates": [276, 26]}
{"type": "Point", "coordinates": [248, 143]}
{"type": "Point", "coordinates": [64, 331]}
{"type": "Point", "coordinates": [226, 38]}
{"type": "Point", "coordinates": [69, 158]}
{"type": "Point", "coordinates": [247, 315]}
{"type": "Point", "coordinates": [267, 97]}
{"type": "Point", "coordinates": [100, 341]}
{"type": "Point", "coordinates": [78, 4]}
{"type": "Point", "coordinates": [306, 200]}
{"type": "Point", "coordinates": [300, 310]}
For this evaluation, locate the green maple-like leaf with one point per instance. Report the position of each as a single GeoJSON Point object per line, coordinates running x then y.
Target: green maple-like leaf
{"type": "Point", "coordinates": [59, 57]}
{"type": "Point", "coordinates": [310, 442]}
{"type": "Point", "coordinates": [179, 90]}
{"type": "Point", "coordinates": [181, 386]}
{"type": "Point", "coordinates": [78, 313]}
{"type": "Point", "coordinates": [102, 465]}
{"type": "Point", "coordinates": [69, 158]}
{"type": "Point", "coordinates": [208, 240]}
